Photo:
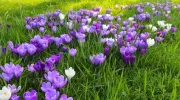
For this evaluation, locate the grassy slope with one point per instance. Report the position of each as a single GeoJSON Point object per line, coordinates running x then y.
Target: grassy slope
{"type": "Point", "coordinates": [154, 75]}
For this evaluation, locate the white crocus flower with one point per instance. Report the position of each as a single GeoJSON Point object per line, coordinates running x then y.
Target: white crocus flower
{"type": "Point", "coordinates": [85, 28]}
{"type": "Point", "coordinates": [61, 16]}
{"type": "Point", "coordinates": [70, 73]}
{"type": "Point", "coordinates": [95, 14]}
{"type": "Point", "coordinates": [99, 16]}
{"type": "Point", "coordinates": [168, 12]}
{"type": "Point", "coordinates": [130, 18]}
{"type": "Point", "coordinates": [89, 20]}
{"type": "Point", "coordinates": [149, 26]}
{"type": "Point", "coordinates": [150, 42]}
{"type": "Point", "coordinates": [153, 8]}
{"type": "Point", "coordinates": [70, 24]}
{"type": "Point", "coordinates": [5, 93]}
{"type": "Point", "coordinates": [168, 26]}
{"type": "Point", "coordinates": [161, 23]}
{"type": "Point", "coordinates": [154, 28]}
{"type": "Point", "coordinates": [105, 27]}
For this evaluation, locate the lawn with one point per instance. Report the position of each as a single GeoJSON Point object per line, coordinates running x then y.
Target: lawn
{"type": "Point", "coordinates": [153, 76]}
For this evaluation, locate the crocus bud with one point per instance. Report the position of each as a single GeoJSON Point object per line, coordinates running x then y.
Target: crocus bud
{"type": "Point", "coordinates": [106, 50]}
{"type": "Point", "coordinates": [173, 29]}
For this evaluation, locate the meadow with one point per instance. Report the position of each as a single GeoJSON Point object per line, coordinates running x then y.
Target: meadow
{"type": "Point", "coordinates": [152, 76]}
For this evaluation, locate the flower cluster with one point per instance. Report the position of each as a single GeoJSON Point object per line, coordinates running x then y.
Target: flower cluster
{"type": "Point", "coordinates": [10, 92]}
{"type": "Point", "coordinates": [97, 59]}
{"type": "Point", "coordinates": [11, 70]}
{"type": "Point", "coordinates": [30, 95]}
{"type": "Point", "coordinates": [48, 65]}
{"type": "Point", "coordinates": [38, 44]}
{"type": "Point", "coordinates": [55, 81]}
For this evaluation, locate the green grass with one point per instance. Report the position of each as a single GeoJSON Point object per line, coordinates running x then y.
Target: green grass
{"type": "Point", "coordinates": [154, 76]}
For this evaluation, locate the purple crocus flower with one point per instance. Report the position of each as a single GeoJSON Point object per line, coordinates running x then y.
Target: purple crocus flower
{"type": "Point", "coordinates": [46, 86]}
{"type": "Point", "coordinates": [127, 53]}
{"type": "Point", "coordinates": [159, 38]}
{"type": "Point", "coordinates": [80, 37]}
{"type": "Point", "coordinates": [13, 88]}
{"type": "Point", "coordinates": [6, 76]}
{"type": "Point", "coordinates": [28, 27]}
{"type": "Point", "coordinates": [139, 10]}
{"type": "Point", "coordinates": [31, 68]}
{"type": "Point", "coordinates": [164, 32]}
{"type": "Point", "coordinates": [128, 49]}
{"type": "Point", "coordinates": [57, 40]}
{"type": "Point", "coordinates": [173, 29]}
{"type": "Point", "coordinates": [59, 81]}
{"type": "Point", "coordinates": [144, 36]}
{"type": "Point", "coordinates": [125, 23]}
{"type": "Point", "coordinates": [39, 66]}
{"type": "Point", "coordinates": [56, 58]}
{"type": "Point", "coordinates": [52, 60]}
{"type": "Point", "coordinates": [50, 24]}
{"type": "Point", "coordinates": [51, 75]}
{"type": "Point", "coordinates": [141, 17]}
{"type": "Point", "coordinates": [15, 97]}
{"type": "Point", "coordinates": [3, 49]}
{"type": "Point", "coordinates": [66, 38]}
{"type": "Point", "coordinates": [157, 13]}
{"type": "Point", "coordinates": [64, 48]}
{"type": "Point", "coordinates": [28, 19]}
{"type": "Point", "coordinates": [31, 49]}
{"type": "Point", "coordinates": [18, 70]}
{"type": "Point", "coordinates": [41, 29]}
{"type": "Point", "coordinates": [30, 95]}
{"type": "Point", "coordinates": [8, 68]}
{"type": "Point", "coordinates": [49, 66]}
{"type": "Point", "coordinates": [97, 59]}
{"type": "Point", "coordinates": [54, 29]}
{"type": "Point", "coordinates": [64, 97]}
{"type": "Point", "coordinates": [11, 45]}
{"type": "Point", "coordinates": [106, 50]}
{"type": "Point", "coordinates": [118, 19]}
{"type": "Point", "coordinates": [33, 24]}
{"type": "Point", "coordinates": [72, 52]}
{"type": "Point", "coordinates": [109, 41]}
{"type": "Point", "coordinates": [21, 50]}
{"type": "Point", "coordinates": [51, 94]}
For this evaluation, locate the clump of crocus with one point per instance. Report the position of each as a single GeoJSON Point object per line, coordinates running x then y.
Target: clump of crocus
{"type": "Point", "coordinates": [30, 95]}
{"type": "Point", "coordinates": [57, 80]}
{"type": "Point", "coordinates": [48, 65]}
{"type": "Point", "coordinates": [22, 49]}
{"type": "Point", "coordinates": [128, 53]}
{"type": "Point", "coordinates": [11, 70]}
{"type": "Point", "coordinates": [14, 91]}
{"type": "Point", "coordinates": [97, 59]}
{"type": "Point", "coordinates": [50, 91]}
